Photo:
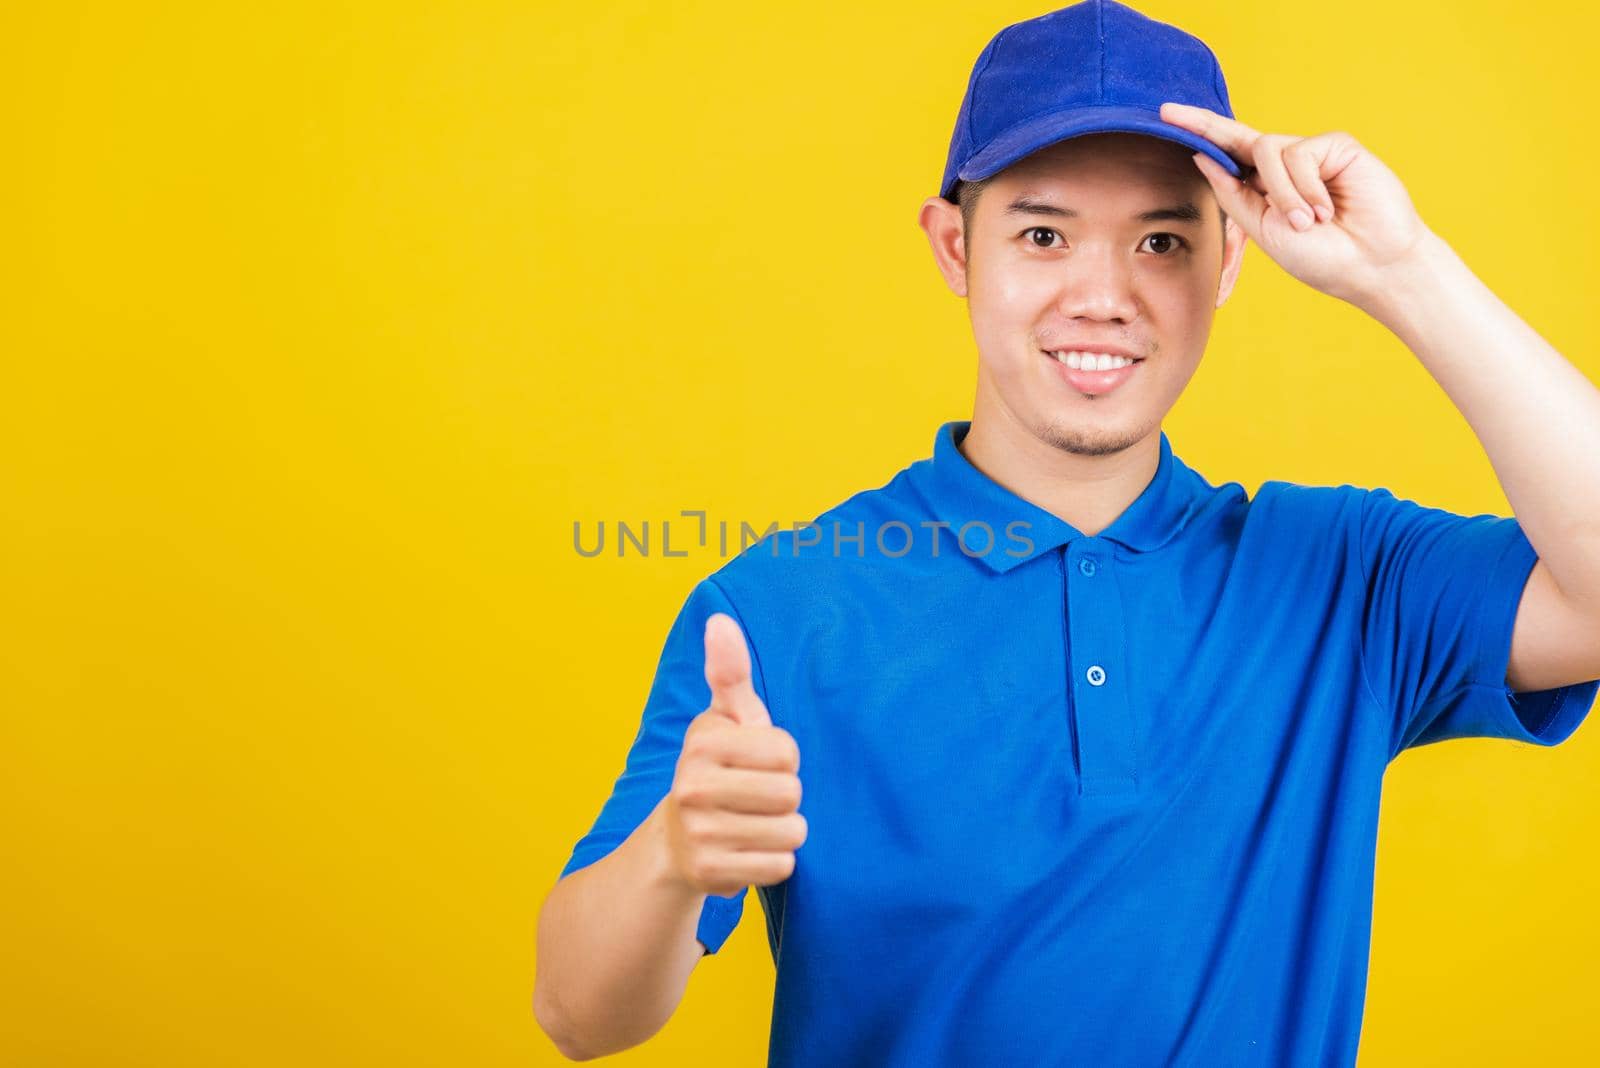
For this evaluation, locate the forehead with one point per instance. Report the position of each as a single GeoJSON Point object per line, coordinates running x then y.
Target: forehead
{"type": "Point", "coordinates": [1132, 164]}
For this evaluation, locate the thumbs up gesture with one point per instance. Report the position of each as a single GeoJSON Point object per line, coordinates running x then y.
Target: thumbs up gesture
{"type": "Point", "coordinates": [732, 812]}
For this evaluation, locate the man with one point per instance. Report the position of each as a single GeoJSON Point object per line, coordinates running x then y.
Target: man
{"type": "Point", "coordinates": [1093, 748]}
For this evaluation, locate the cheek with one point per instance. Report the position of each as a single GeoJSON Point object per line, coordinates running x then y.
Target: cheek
{"type": "Point", "coordinates": [1021, 288]}
{"type": "Point", "coordinates": [1009, 298]}
{"type": "Point", "coordinates": [1179, 297]}
{"type": "Point", "coordinates": [1000, 307]}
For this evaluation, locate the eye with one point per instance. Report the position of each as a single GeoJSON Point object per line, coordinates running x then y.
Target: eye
{"type": "Point", "coordinates": [1171, 242]}
{"type": "Point", "coordinates": [1176, 241]}
{"type": "Point", "coordinates": [1040, 230]}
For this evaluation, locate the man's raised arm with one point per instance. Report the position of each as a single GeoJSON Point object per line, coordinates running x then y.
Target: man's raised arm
{"type": "Point", "coordinates": [616, 939]}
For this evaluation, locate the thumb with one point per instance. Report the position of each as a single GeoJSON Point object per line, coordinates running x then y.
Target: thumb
{"type": "Point", "coordinates": [1238, 198]}
{"type": "Point", "coordinates": [728, 672]}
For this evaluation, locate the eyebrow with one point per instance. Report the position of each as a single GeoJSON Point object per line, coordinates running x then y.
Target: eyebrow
{"type": "Point", "coordinates": [1184, 212]}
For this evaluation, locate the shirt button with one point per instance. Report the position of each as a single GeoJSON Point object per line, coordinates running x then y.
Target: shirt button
{"type": "Point", "coordinates": [1087, 565]}
{"type": "Point", "coordinates": [1096, 675]}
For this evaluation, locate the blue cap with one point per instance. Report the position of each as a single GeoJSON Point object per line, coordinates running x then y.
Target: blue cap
{"type": "Point", "coordinates": [1094, 67]}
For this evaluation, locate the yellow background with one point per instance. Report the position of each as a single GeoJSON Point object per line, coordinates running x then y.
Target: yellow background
{"type": "Point", "coordinates": [323, 324]}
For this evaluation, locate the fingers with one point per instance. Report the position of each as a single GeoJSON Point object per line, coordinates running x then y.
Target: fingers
{"type": "Point", "coordinates": [1280, 187]}
{"type": "Point", "coordinates": [762, 747]}
{"type": "Point", "coordinates": [724, 872]}
{"type": "Point", "coordinates": [728, 672]}
{"type": "Point", "coordinates": [771, 792]}
{"type": "Point", "coordinates": [1291, 171]}
{"type": "Point", "coordinates": [1291, 167]}
{"type": "Point", "coordinates": [710, 829]}
{"type": "Point", "coordinates": [1303, 162]}
{"type": "Point", "coordinates": [733, 816]}
{"type": "Point", "coordinates": [1330, 153]}
{"type": "Point", "coordinates": [1231, 135]}
{"type": "Point", "coordinates": [1280, 172]}
{"type": "Point", "coordinates": [1238, 198]}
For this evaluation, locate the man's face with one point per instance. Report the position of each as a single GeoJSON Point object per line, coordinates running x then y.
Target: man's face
{"type": "Point", "coordinates": [1084, 246]}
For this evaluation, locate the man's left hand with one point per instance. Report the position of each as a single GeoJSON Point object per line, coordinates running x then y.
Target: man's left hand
{"type": "Point", "coordinates": [1359, 221]}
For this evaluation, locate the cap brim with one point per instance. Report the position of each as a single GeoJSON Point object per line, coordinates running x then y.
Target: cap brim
{"type": "Point", "coordinates": [1028, 138]}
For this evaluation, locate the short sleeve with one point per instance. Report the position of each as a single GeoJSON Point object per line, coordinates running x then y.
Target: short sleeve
{"type": "Point", "coordinates": [1442, 593]}
{"type": "Point", "coordinates": [678, 694]}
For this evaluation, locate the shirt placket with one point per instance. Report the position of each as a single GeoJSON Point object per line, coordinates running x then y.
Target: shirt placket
{"type": "Point", "coordinates": [1097, 674]}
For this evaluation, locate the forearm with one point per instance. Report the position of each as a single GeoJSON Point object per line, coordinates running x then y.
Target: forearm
{"type": "Point", "coordinates": [616, 946]}
{"type": "Point", "coordinates": [1536, 415]}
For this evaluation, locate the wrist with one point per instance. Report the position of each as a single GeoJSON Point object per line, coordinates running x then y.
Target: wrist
{"type": "Point", "coordinates": [1408, 280]}
{"type": "Point", "coordinates": [661, 868]}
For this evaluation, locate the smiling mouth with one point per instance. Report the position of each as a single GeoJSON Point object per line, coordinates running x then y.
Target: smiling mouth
{"type": "Point", "coordinates": [1085, 360]}
{"type": "Point", "coordinates": [1086, 377]}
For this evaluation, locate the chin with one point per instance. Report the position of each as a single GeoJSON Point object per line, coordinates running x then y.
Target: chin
{"type": "Point", "coordinates": [1090, 437]}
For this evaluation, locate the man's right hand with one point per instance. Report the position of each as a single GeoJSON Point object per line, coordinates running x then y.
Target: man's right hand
{"type": "Point", "coordinates": [732, 813]}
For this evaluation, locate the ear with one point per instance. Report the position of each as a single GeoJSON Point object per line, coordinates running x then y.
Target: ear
{"type": "Point", "coordinates": [1233, 242]}
{"type": "Point", "coordinates": [941, 221]}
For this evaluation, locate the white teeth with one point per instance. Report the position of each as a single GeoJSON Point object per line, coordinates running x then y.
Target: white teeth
{"type": "Point", "coordinates": [1092, 361]}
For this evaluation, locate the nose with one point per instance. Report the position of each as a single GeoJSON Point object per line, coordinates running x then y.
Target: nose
{"type": "Point", "coordinates": [1097, 284]}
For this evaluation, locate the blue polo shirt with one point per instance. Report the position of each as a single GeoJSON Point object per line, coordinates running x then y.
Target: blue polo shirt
{"type": "Point", "coordinates": [1092, 800]}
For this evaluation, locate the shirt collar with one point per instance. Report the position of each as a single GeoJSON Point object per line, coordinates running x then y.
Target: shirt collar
{"type": "Point", "coordinates": [959, 493]}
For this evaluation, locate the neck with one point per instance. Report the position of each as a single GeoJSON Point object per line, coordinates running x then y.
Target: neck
{"type": "Point", "coordinates": [1087, 491]}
